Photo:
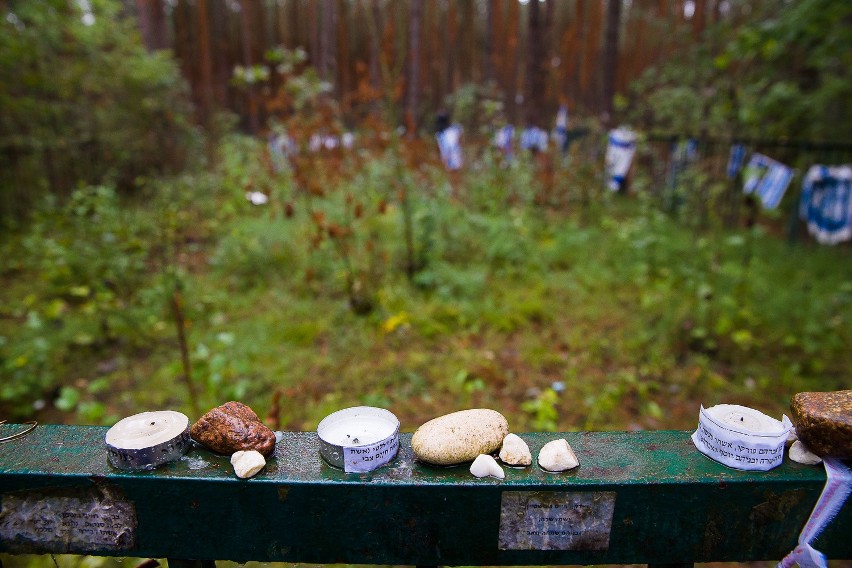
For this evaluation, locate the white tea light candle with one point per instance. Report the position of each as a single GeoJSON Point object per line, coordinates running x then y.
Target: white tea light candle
{"type": "Point", "coordinates": [741, 437]}
{"type": "Point", "coordinates": [359, 439]}
{"type": "Point", "coordinates": [147, 440]}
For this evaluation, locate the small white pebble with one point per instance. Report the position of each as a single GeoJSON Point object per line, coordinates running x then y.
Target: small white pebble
{"type": "Point", "coordinates": [791, 437]}
{"type": "Point", "coordinates": [484, 465]}
{"type": "Point", "coordinates": [557, 456]}
{"type": "Point", "coordinates": [515, 451]}
{"type": "Point", "coordinates": [801, 454]}
{"type": "Point", "coordinates": [247, 463]}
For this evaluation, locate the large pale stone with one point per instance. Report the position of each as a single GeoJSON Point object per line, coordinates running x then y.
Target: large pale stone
{"type": "Point", "coordinates": [801, 454]}
{"type": "Point", "coordinates": [557, 456]}
{"type": "Point", "coordinates": [459, 437]}
{"type": "Point", "coordinates": [515, 451]}
{"type": "Point", "coordinates": [484, 465]}
{"type": "Point", "coordinates": [823, 422]}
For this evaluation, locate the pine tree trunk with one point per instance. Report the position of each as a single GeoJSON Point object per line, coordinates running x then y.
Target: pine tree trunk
{"type": "Point", "coordinates": [203, 19]}
{"type": "Point", "coordinates": [152, 24]}
{"type": "Point", "coordinates": [245, 20]}
{"type": "Point", "coordinates": [513, 61]}
{"type": "Point", "coordinates": [610, 61]}
{"type": "Point", "coordinates": [328, 41]}
{"type": "Point", "coordinates": [535, 76]}
{"type": "Point", "coordinates": [376, 46]}
{"type": "Point", "coordinates": [414, 66]}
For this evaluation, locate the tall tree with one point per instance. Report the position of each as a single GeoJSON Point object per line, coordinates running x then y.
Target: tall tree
{"type": "Point", "coordinates": [488, 41]}
{"type": "Point", "coordinates": [610, 60]}
{"type": "Point", "coordinates": [246, 10]}
{"type": "Point", "coordinates": [203, 19]}
{"type": "Point", "coordinates": [513, 61]}
{"type": "Point", "coordinates": [328, 41]}
{"type": "Point", "coordinates": [376, 45]}
{"type": "Point", "coordinates": [152, 24]}
{"type": "Point", "coordinates": [414, 65]}
{"type": "Point", "coordinates": [536, 55]}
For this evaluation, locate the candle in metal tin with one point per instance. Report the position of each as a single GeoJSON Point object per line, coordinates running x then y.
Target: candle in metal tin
{"type": "Point", "coordinates": [359, 439]}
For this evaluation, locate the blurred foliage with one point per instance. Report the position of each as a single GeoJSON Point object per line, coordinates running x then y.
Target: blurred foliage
{"type": "Point", "coordinates": [597, 312]}
{"type": "Point", "coordinates": [83, 102]}
{"type": "Point", "coordinates": [782, 74]}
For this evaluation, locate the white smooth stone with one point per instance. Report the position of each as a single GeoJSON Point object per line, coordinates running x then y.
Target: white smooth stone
{"type": "Point", "coordinates": [515, 451]}
{"type": "Point", "coordinates": [557, 456]}
{"type": "Point", "coordinates": [484, 465]}
{"type": "Point", "coordinates": [801, 454]}
{"type": "Point", "coordinates": [460, 436]}
{"type": "Point", "coordinates": [247, 463]}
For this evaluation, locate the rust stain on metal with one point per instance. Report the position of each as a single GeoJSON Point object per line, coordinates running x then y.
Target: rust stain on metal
{"type": "Point", "coordinates": [775, 508]}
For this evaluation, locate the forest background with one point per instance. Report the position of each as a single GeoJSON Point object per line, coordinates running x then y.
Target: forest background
{"type": "Point", "coordinates": [136, 275]}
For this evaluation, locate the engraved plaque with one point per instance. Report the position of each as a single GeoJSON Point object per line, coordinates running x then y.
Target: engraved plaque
{"type": "Point", "coordinates": [556, 520]}
{"type": "Point", "coordinates": [67, 520]}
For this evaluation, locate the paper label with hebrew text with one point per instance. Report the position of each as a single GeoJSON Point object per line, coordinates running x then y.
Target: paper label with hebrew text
{"type": "Point", "coordinates": [361, 459]}
{"type": "Point", "coordinates": [735, 449]}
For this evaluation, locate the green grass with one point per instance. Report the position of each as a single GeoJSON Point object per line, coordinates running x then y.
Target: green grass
{"type": "Point", "coordinates": [563, 317]}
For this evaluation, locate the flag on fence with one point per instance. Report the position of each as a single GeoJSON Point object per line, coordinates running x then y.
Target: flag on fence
{"type": "Point", "coordinates": [826, 203]}
{"type": "Point", "coordinates": [503, 141]}
{"type": "Point", "coordinates": [768, 178]}
{"type": "Point", "coordinates": [534, 138]}
{"type": "Point", "coordinates": [449, 144]}
{"type": "Point", "coordinates": [619, 155]}
{"type": "Point", "coordinates": [560, 133]}
{"type": "Point", "coordinates": [684, 153]}
{"type": "Point", "coordinates": [736, 159]}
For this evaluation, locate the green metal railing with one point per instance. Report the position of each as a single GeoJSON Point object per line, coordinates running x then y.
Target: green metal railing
{"type": "Point", "coordinates": [642, 497]}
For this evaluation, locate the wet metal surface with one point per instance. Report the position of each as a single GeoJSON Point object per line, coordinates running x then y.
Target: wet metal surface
{"type": "Point", "coordinates": [671, 503]}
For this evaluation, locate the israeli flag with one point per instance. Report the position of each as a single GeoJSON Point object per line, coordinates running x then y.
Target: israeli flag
{"type": "Point", "coordinates": [619, 156]}
{"type": "Point", "coordinates": [560, 133]}
{"type": "Point", "coordinates": [826, 203]}
{"type": "Point", "coordinates": [534, 138]}
{"type": "Point", "coordinates": [768, 179]}
{"type": "Point", "coordinates": [503, 141]}
{"type": "Point", "coordinates": [736, 159]}
{"type": "Point", "coordinates": [449, 144]}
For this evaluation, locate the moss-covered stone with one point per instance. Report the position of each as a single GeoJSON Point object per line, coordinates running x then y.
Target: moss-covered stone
{"type": "Point", "coordinates": [823, 422]}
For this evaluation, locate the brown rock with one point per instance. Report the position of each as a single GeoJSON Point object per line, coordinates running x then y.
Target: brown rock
{"type": "Point", "coordinates": [233, 427]}
{"type": "Point", "coordinates": [823, 422]}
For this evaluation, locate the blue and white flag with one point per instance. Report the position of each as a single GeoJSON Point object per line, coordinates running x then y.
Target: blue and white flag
{"type": "Point", "coordinates": [503, 141]}
{"type": "Point", "coordinates": [736, 159]}
{"type": "Point", "coordinates": [534, 138]}
{"type": "Point", "coordinates": [619, 156]}
{"type": "Point", "coordinates": [826, 203]}
{"type": "Point", "coordinates": [768, 178]}
{"type": "Point", "coordinates": [449, 144]}
{"type": "Point", "coordinates": [560, 132]}
{"type": "Point", "coordinates": [684, 153]}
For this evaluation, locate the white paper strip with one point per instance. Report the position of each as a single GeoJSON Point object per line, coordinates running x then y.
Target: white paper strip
{"type": "Point", "coordinates": [837, 489]}
{"type": "Point", "coordinates": [361, 459]}
{"type": "Point", "coordinates": [741, 437]}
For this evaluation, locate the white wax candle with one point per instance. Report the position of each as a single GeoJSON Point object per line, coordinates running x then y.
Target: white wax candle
{"type": "Point", "coordinates": [148, 439]}
{"type": "Point", "coordinates": [358, 426]}
{"type": "Point", "coordinates": [744, 419]}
